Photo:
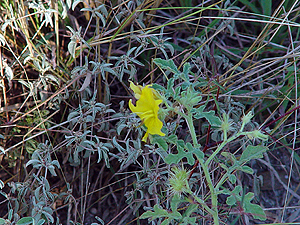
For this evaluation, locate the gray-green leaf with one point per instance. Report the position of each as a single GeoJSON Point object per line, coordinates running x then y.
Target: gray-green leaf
{"type": "Point", "coordinates": [167, 64]}
{"type": "Point", "coordinates": [252, 152]}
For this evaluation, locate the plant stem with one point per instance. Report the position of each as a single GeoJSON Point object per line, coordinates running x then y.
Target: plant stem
{"type": "Point", "coordinates": [221, 146]}
{"type": "Point", "coordinates": [214, 197]}
{"type": "Point", "coordinates": [213, 193]}
{"type": "Point", "coordinates": [189, 120]}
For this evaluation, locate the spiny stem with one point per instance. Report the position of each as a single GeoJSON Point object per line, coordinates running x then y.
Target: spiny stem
{"type": "Point", "coordinates": [189, 120]}
{"type": "Point", "coordinates": [221, 146]}
{"type": "Point", "coordinates": [214, 195]}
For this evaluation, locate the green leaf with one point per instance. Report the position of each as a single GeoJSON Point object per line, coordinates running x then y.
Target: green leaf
{"type": "Point", "coordinates": [231, 200]}
{"type": "Point", "coordinates": [172, 139]}
{"type": "Point", "coordinates": [252, 152]}
{"type": "Point", "coordinates": [2, 221]}
{"type": "Point", "coordinates": [189, 147]}
{"type": "Point", "coordinates": [176, 200]}
{"type": "Point", "coordinates": [175, 158]}
{"type": "Point", "coordinates": [10, 212]}
{"type": "Point", "coordinates": [234, 195]}
{"type": "Point", "coordinates": [187, 219]}
{"type": "Point", "coordinates": [158, 212]}
{"type": "Point", "coordinates": [210, 116]}
{"type": "Point", "coordinates": [232, 178]}
{"type": "Point", "coordinates": [236, 191]}
{"type": "Point", "coordinates": [267, 7]}
{"type": "Point", "coordinates": [170, 85]}
{"type": "Point", "coordinates": [158, 87]}
{"type": "Point", "coordinates": [229, 156]}
{"type": "Point", "coordinates": [166, 221]}
{"type": "Point", "coordinates": [180, 143]}
{"type": "Point", "coordinates": [186, 71]}
{"type": "Point", "coordinates": [193, 150]}
{"type": "Point", "coordinates": [175, 215]}
{"type": "Point", "coordinates": [161, 142]}
{"type": "Point", "coordinates": [177, 91]}
{"type": "Point", "coordinates": [40, 222]}
{"type": "Point", "coordinates": [72, 48]}
{"type": "Point", "coordinates": [256, 211]}
{"type": "Point", "coordinates": [100, 220]}
{"type": "Point", "coordinates": [119, 147]}
{"type": "Point", "coordinates": [192, 208]}
{"type": "Point", "coordinates": [167, 64]}
{"type": "Point", "coordinates": [222, 165]}
{"type": "Point", "coordinates": [25, 221]}
{"type": "Point", "coordinates": [87, 81]}
{"type": "Point", "coordinates": [246, 169]}
{"type": "Point", "coordinates": [189, 154]}
{"type": "Point", "coordinates": [33, 162]}
{"type": "Point", "coordinates": [199, 154]}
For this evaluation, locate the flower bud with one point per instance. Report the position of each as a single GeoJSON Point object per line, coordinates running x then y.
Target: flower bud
{"type": "Point", "coordinates": [257, 134]}
{"type": "Point", "coordinates": [247, 118]}
{"type": "Point", "coordinates": [178, 181]}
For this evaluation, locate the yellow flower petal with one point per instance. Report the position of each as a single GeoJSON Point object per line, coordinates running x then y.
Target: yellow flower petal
{"type": "Point", "coordinates": [137, 89]}
{"type": "Point", "coordinates": [145, 137]}
{"type": "Point", "coordinates": [146, 108]}
{"type": "Point", "coordinates": [154, 126]}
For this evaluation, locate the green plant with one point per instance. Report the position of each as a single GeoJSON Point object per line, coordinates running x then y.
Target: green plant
{"type": "Point", "coordinates": [187, 100]}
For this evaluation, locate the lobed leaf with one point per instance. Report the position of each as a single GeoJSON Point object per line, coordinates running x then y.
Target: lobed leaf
{"type": "Point", "coordinates": [210, 116]}
{"type": "Point", "coordinates": [256, 211]}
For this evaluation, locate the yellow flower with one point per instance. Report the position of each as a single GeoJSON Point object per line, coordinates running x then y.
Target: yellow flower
{"type": "Point", "coordinates": [137, 89]}
{"type": "Point", "coordinates": [146, 108]}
